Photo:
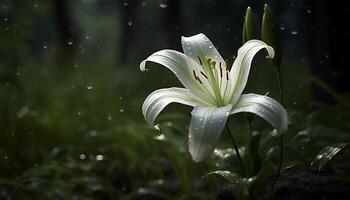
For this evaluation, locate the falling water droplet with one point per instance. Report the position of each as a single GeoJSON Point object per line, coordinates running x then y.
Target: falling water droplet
{"type": "Point", "coordinates": [99, 157]}
{"type": "Point", "coordinates": [82, 156]}
{"type": "Point", "coordinates": [163, 4]}
{"type": "Point", "coordinates": [294, 32]}
{"type": "Point", "coordinates": [130, 22]}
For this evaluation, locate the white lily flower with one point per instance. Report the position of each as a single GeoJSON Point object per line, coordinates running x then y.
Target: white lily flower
{"type": "Point", "coordinates": [212, 89]}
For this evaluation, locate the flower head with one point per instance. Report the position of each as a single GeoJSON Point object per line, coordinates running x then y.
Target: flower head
{"type": "Point", "coordinates": [212, 89]}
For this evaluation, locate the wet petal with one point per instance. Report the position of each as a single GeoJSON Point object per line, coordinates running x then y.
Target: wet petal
{"type": "Point", "coordinates": [182, 67]}
{"type": "Point", "coordinates": [159, 99]}
{"type": "Point", "coordinates": [266, 108]}
{"type": "Point", "coordinates": [240, 69]}
{"type": "Point", "coordinates": [199, 48]}
{"type": "Point", "coordinates": [207, 124]}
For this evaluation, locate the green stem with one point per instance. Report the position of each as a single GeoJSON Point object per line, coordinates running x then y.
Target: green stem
{"type": "Point", "coordinates": [236, 148]}
{"type": "Point", "coordinates": [279, 76]}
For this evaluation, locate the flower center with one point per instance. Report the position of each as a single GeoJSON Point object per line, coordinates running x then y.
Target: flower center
{"type": "Point", "coordinates": [215, 76]}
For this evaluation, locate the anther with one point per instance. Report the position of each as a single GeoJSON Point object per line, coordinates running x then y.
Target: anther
{"type": "Point", "coordinates": [220, 69]}
{"type": "Point", "coordinates": [204, 75]}
{"type": "Point", "coordinates": [200, 61]}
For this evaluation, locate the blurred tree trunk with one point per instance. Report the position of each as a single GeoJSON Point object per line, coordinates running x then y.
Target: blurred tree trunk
{"type": "Point", "coordinates": [67, 32]}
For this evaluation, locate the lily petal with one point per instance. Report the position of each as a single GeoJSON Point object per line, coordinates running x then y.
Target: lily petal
{"type": "Point", "coordinates": [206, 127]}
{"type": "Point", "coordinates": [182, 67]}
{"type": "Point", "coordinates": [200, 46]}
{"type": "Point", "coordinates": [266, 108]}
{"type": "Point", "coordinates": [159, 99]}
{"type": "Point", "coordinates": [241, 67]}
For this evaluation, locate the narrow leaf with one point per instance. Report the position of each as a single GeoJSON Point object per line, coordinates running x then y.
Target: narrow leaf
{"type": "Point", "coordinates": [248, 26]}
{"type": "Point", "coordinates": [327, 154]}
{"type": "Point", "coordinates": [270, 34]}
{"type": "Point", "coordinates": [230, 176]}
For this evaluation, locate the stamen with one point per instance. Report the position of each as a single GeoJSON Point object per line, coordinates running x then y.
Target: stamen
{"type": "Point", "coordinates": [200, 61]}
{"type": "Point", "coordinates": [227, 65]}
{"type": "Point", "coordinates": [196, 77]}
{"type": "Point", "coordinates": [204, 75]}
{"type": "Point", "coordinates": [220, 69]}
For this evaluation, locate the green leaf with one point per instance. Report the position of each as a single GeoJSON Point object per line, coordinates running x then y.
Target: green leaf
{"type": "Point", "coordinates": [254, 152]}
{"type": "Point", "coordinates": [230, 176]}
{"type": "Point", "coordinates": [243, 185]}
{"type": "Point", "coordinates": [327, 154]}
{"type": "Point", "coordinates": [248, 26]}
{"type": "Point", "coordinates": [270, 34]}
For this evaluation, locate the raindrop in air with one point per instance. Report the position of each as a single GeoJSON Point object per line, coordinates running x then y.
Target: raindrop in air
{"type": "Point", "coordinates": [121, 110]}
{"type": "Point", "coordinates": [45, 46]}
{"type": "Point", "coordinates": [143, 3]}
{"type": "Point", "coordinates": [294, 32]}
{"type": "Point", "coordinates": [99, 157]}
{"type": "Point", "coordinates": [163, 4]}
{"type": "Point", "coordinates": [82, 156]}
{"type": "Point", "coordinates": [6, 19]}
{"type": "Point", "coordinates": [130, 22]}
{"type": "Point", "coordinates": [70, 43]}
{"type": "Point", "coordinates": [89, 87]}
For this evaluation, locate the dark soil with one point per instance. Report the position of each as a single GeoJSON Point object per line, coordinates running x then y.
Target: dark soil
{"type": "Point", "coordinates": [304, 184]}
